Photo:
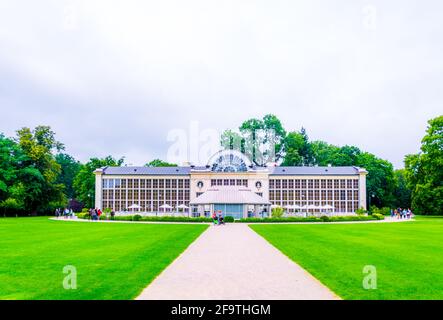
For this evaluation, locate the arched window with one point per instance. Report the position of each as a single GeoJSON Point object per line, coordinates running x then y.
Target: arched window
{"type": "Point", "coordinates": [229, 161]}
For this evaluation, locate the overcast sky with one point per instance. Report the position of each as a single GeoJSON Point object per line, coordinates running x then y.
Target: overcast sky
{"type": "Point", "coordinates": [115, 77]}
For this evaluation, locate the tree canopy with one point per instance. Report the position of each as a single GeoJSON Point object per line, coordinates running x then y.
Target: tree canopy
{"type": "Point", "coordinates": [424, 171]}
{"type": "Point", "coordinates": [262, 140]}
{"type": "Point", "coordinates": [84, 182]}
{"type": "Point", "coordinates": [69, 170]}
{"type": "Point", "coordinates": [295, 149]}
{"type": "Point", "coordinates": [29, 172]}
{"type": "Point", "coordinates": [160, 163]}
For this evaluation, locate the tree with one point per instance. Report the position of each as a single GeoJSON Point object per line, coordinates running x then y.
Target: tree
{"type": "Point", "coordinates": [69, 169]}
{"type": "Point", "coordinates": [38, 171]}
{"type": "Point", "coordinates": [306, 150]}
{"type": "Point", "coordinates": [84, 182]}
{"type": "Point", "coordinates": [231, 140]}
{"type": "Point", "coordinates": [275, 136]}
{"type": "Point", "coordinates": [324, 154]}
{"type": "Point", "coordinates": [9, 160]}
{"type": "Point", "coordinates": [262, 140]}
{"type": "Point", "coordinates": [380, 181]}
{"type": "Point", "coordinates": [402, 193]}
{"type": "Point", "coordinates": [253, 138]}
{"type": "Point", "coordinates": [294, 142]}
{"type": "Point", "coordinates": [160, 163]}
{"type": "Point", "coordinates": [424, 171]}
{"type": "Point", "coordinates": [298, 149]}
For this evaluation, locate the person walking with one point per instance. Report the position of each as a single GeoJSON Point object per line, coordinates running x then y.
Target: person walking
{"type": "Point", "coordinates": [214, 218]}
{"type": "Point", "coordinates": [94, 214]}
{"type": "Point", "coordinates": [221, 220]}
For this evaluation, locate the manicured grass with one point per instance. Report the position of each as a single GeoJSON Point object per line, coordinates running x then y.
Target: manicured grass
{"type": "Point", "coordinates": [113, 260]}
{"type": "Point", "coordinates": [408, 256]}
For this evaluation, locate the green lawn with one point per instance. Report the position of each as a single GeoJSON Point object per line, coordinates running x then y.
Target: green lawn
{"type": "Point", "coordinates": [113, 260]}
{"type": "Point", "coordinates": [408, 256]}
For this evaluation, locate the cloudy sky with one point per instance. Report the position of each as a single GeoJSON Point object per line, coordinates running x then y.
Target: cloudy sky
{"type": "Point", "coordinates": [117, 77]}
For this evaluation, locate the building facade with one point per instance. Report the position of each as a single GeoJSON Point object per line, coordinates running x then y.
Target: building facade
{"type": "Point", "coordinates": [231, 184]}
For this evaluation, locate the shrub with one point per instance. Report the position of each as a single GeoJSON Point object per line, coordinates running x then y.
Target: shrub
{"type": "Point", "coordinates": [309, 219]}
{"type": "Point", "coordinates": [360, 211]}
{"type": "Point", "coordinates": [277, 220]}
{"type": "Point", "coordinates": [374, 210]}
{"type": "Point", "coordinates": [229, 219]}
{"type": "Point", "coordinates": [85, 210]}
{"type": "Point", "coordinates": [277, 212]}
{"type": "Point", "coordinates": [378, 216]}
{"type": "Point", "coordinates": [386, 211]}
{"type": "Point", "coordinates": [162, 219]}
{"type": "Point", "coordinates": [325, 218]}
{"type": "Point", "coordinates": [83, 215]}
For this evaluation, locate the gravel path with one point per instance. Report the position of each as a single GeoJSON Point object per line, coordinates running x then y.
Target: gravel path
{"type": "Point", "coordinates": [233, 262]}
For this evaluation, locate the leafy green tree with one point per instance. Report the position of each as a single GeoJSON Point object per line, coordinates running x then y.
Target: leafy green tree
{"type": "Point", "coordinates": [306, 150]}
{"type": "Point", "coordinates": [160, 163]}
{"type": "Point", "coordinates": [255, 139]}
{"type": "Point", "coordinates": [346, 156]}
{"type": "Point", "coordinates": [11, 201]}
{"type": "Point", "coordinates": [9, 161]}
{"type": "Point", "coordinates": [424, 171]}
{"type": "Point", "coordinates": [298, 150]}
{"type": "Point", "coordinates": [38, 171]}
{"type": "Point", "coordinates": [251, 131]}
{"type": "Point", "coordinates": [323, 152]}
{"type": "Point", "coordinates": [84, 182]}
{"type": "Point", "coordinates": [293, 145]}
{"type": "Point", "coordinates": [380, 181]}
{"type": "Point", "coordinates": [275, 135]}
{"type": "Point", "coordinates": [231, 140]}
{"type": "Point", "coordinates": [402, 192]}
{"type": "Point", "coordinates": [69, 169]}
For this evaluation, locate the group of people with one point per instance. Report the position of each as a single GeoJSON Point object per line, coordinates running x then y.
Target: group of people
{"type": "Point", "coordinates": [218, 218]}
{"type": "Point", "coordinates": [94, 214]}
{"type": "Point", "coordinates": [400, 213]}
{"type": "Point", "coordinates": [63, 213]}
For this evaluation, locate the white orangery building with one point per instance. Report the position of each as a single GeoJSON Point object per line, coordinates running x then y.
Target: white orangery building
{"type": "Point", "coordinates": [230, 184]}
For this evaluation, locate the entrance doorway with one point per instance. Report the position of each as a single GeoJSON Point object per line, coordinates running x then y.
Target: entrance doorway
{"type": "Point", "coordinates": [232, 210]}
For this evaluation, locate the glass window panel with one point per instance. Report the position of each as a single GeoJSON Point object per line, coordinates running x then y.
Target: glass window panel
{"type": "Point", "coordinates": [323, 184]}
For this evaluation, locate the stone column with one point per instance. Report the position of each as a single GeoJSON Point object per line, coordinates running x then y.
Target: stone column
{"type": "Point", "coordinates": [98, 187]}
{"type": "Point", "coordinates": [362, 188]}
